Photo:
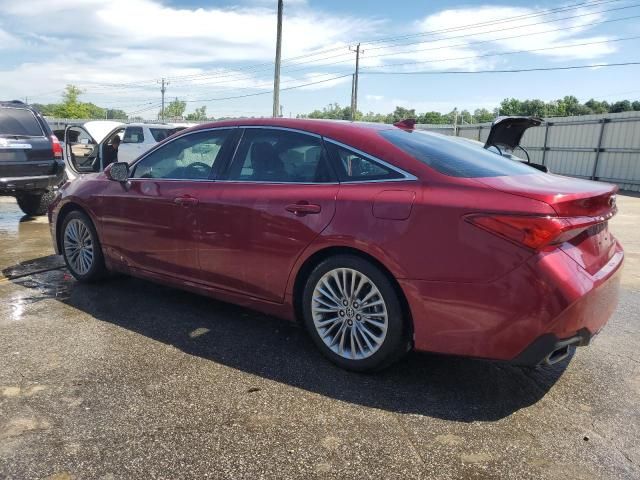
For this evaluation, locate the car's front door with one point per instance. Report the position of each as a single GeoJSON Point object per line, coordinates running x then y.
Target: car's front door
{"type": "Point", "coordinates": [150, 222]}
{"type": "Point", "coordinates": [279, 194]}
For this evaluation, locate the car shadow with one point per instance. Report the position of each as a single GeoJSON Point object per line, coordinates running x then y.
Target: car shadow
{"type": "Point", "coordinates": [450, 388]}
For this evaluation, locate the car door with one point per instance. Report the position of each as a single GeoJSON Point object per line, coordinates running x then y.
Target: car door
{"type": "Point", "coordinates": [150, 223]}
{"type": "Point", "coordinates": [82, 152]}
{"type": "Point", "coordinates": [279, 194]}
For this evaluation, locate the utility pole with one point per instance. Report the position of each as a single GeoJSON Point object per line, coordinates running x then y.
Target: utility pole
{"type": "Point", "coordinates": [163, 89]}
{"type": "Point", "coordinates": [276, 74]}
{"type": "Point", "coordinates": [354, 85]}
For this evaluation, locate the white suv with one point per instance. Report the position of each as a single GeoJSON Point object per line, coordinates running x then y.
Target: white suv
{"type": "Point", "coordinates": [140, 137]}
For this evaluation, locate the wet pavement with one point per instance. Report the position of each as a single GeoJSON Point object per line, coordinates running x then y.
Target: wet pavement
{"type": "Point", "coordinates": [127, 379]}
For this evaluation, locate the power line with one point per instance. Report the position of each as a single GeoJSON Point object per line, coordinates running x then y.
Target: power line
{"type": "Point", "coordinates": [266, 91]}
{"type": "Point", "coordinates": [233, 76]}
{"type": "Point", "coordinates": [513, 52]}
{"type": "Point", "coordinates": [492, 22]}
{"type": "Point", "coordinates": [518, 70]}
{"type": "Point", "coordinates": [269, 65]}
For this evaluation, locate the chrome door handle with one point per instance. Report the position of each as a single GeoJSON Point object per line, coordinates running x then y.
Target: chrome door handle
{"type": "Point", "coordinates": [301, 209]}
{"type": "Point", "coordinates": [185, 201]}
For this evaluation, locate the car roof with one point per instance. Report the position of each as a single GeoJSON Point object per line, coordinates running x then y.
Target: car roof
{"type": "Point", "coordinates": [308, 124]}
{"type": "Point", "coordinates": [152, 125]}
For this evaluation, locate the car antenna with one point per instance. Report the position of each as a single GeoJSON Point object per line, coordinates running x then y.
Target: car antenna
{"type": "Point", "coordinates": [406, 124]}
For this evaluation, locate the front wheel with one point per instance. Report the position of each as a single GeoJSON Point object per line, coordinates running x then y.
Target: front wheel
{"type": "Point", "coordinates": [81, 248]}
{"type": "Point", "coordinates": [353, 314]}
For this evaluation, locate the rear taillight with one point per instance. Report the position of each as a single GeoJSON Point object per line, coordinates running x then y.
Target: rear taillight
{"type": "Point", "coordinates": [533, 231]}
{"type": "Point", "coordinates": [57, 148]}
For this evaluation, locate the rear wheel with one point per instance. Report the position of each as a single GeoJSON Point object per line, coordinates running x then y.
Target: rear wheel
{"type": "Point", "coordinates": [353, 314]}
{"type": "Point", "coordinates": [34, 204]}
{"type": "Point", "coordinates": [81, 248]}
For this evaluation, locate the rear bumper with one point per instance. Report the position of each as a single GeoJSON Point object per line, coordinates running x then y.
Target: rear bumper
{"type": "Point", "coordinates": [546, 304]}
{"type": "Point", "coordinates": [12, 185]}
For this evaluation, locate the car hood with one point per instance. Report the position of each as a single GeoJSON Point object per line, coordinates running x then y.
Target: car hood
{"type": "Point", "coordinates": [506, 132]}
{"type": "Point", "coordinates": [99, 129]}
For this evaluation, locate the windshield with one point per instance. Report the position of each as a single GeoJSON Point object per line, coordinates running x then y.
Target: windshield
{"type": "Point", "coordinates": [19, 121]}
{"type": "Point", "coordinates": [455, 158]}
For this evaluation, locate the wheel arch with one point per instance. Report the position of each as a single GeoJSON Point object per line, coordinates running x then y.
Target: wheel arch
{"type": "Point", "coordinates": [65, 210]}
{"type": "Point", "coordinates": [313, 260]}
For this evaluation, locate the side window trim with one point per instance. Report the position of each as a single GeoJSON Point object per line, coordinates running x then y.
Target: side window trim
{"type": "Point", "coordinates": [226, 170]}
{"type": "Point", "coordinates": [405, 176]}
{"type": "Point", "coordinates": [212, 175]}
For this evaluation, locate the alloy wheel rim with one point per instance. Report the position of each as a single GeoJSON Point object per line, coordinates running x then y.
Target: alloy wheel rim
{"type": "Point", "coordinates": [78, 246]}
{"type": "Point", "coordinates": [349, 313]}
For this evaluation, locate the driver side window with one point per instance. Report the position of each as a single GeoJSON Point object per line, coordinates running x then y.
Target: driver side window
{"type": "Point", "coordinates": [186, 158]}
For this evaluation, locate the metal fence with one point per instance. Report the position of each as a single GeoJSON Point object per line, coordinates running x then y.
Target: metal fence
{"type": "Point", "coordinates": [598, 147]}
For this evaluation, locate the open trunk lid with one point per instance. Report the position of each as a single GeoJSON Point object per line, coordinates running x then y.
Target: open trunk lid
{"type": "Point", "coordinates": [583, 202]}
{"type": "Point", "coordinates": [506, 132]}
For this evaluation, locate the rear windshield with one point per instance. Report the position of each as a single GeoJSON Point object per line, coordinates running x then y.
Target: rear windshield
{"type": "Point", "coordinates": [18, 121]}
{"type": "Point", "coordinates": [457, 159]}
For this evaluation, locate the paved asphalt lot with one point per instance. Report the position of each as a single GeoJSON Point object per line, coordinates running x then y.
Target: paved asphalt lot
{"type": "Point", "coordinates": [127, 379]}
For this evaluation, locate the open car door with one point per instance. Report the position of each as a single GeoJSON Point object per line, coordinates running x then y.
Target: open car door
{"type": "Point", "coordinates": [506, 134]}
{"type": "Point", "coordinates": [83, 145]}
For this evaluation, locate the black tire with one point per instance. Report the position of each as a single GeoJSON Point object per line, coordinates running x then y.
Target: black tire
{"type": "Point", "coordinates": [97, 270]}
{"type": "Point", "coordinates": [35, 204]}
{"type": "Point", "coordinates": [395, 343]}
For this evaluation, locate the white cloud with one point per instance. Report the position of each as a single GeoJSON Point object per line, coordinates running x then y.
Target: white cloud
{"type": "Point", "coordinates": [128, 41]}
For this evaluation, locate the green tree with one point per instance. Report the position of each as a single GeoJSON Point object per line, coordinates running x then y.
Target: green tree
{"type": "Point", "coordinates": [175, 109]}
{"type": "Point", "coordinates": [71, 107]}
{"type": "Point", "coordinates": [621, 106]}
{"type": "Point", "coordinates": [482, 115]}
{"type": "Point", "coordinates": [115, 114]}
{"type": "Point", "coordinates": [401, 113]}
{"type": "Point", "coordinates": [198, 115]}
{"type": "Point", "coordinates": [597, 107]}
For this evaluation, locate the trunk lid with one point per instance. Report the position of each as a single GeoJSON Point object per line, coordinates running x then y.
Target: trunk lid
{"type": "Point", "coordinates": [575, 199]}
{"type": "Point", "coordinates": [506, 132]}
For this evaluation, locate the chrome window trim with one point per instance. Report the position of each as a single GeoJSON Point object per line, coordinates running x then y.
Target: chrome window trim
{"type": "Point", "coordinates": [296, 130]}
{"type": "Point", "coordinates": [406, 176]}
{"type": "Point", "coordinates": [161, 145]}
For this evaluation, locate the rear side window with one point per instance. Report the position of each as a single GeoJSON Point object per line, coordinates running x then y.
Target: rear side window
{"type": "Point", "coordinates": [270, 155]}
{"type": "Point", "coordinates": [19, 121]}
{"type": "Point", "coordinates": [133, 135]}
{"type": "Point", "coordinates": [160, 134]}
{"type": "Point", "coordinates": [457, 159]}
{"type": "Point", "coordinates": [354, 167]}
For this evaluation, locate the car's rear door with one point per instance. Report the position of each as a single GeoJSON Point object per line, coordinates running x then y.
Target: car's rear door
{"type": "Point", "coordinates": [134, 143]}
{"type": "Point", "coordinates": [279, 194]}
{"type": "Point", "coordinates": [80, 150]}
{"type": "Point", "coordinates": [25, 148]}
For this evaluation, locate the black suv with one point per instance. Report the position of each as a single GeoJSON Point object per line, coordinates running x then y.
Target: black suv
{"type": "Point", "coordinates": [31, 164]}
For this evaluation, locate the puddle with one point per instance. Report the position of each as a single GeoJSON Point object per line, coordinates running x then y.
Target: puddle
{"type": "Point", "coordinates": [36, 265]}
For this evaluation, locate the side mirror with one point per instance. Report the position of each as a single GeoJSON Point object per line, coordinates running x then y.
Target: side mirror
{"type": "Point", "coordinates": [118, 172]}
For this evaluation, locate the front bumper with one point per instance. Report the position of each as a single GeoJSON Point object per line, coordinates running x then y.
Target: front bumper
{"type": "Point", "coordinates": [522, 317]}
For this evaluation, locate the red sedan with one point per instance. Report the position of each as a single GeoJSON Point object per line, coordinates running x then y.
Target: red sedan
{"type": "Point", "coordinates": [378, 238]}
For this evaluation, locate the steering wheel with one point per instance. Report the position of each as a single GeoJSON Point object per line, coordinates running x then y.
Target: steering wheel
{"type": "Point", "coordinates": [199, 168]}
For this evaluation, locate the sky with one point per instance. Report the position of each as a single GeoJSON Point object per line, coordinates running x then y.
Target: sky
{"type": "Point", "coordinates": [220, 53]}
